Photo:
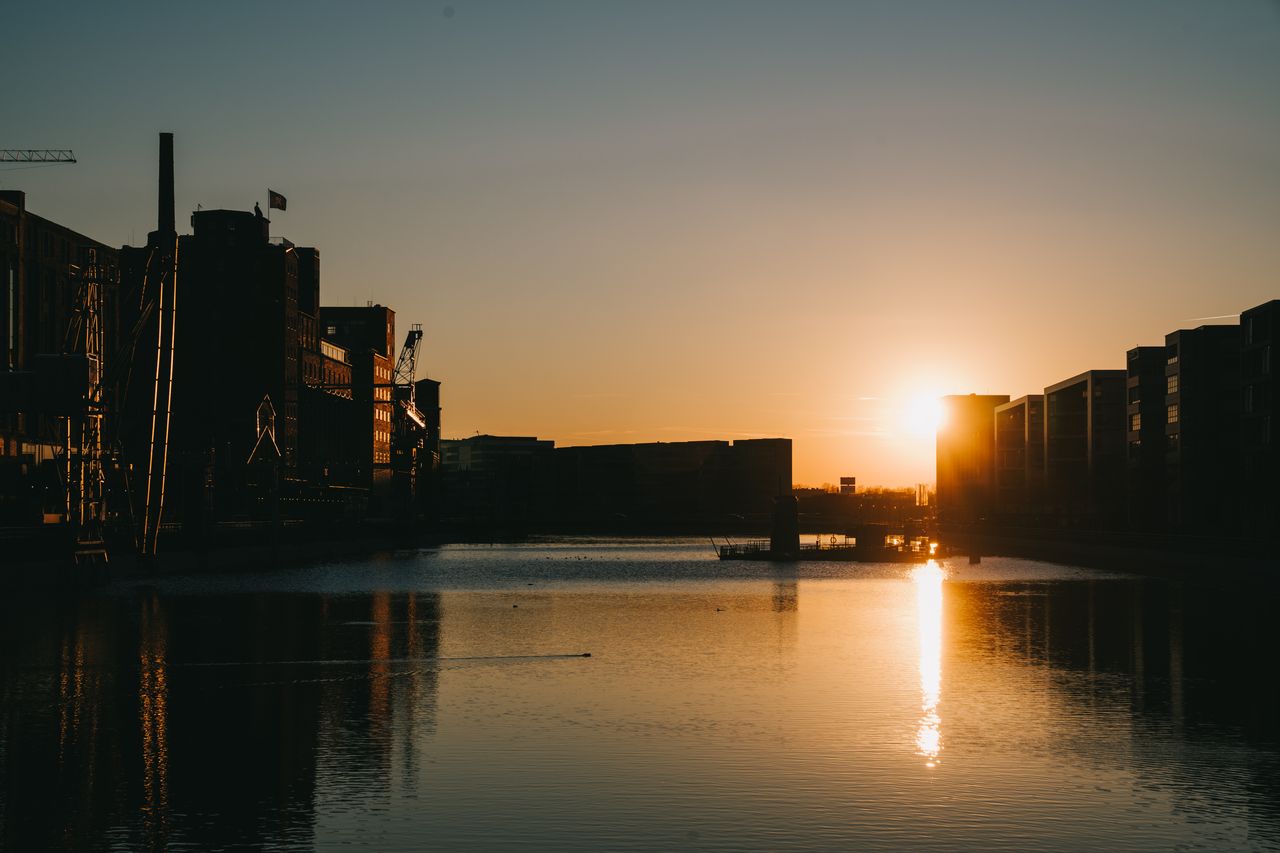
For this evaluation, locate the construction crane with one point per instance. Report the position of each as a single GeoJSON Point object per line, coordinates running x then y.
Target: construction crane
{"type": "Point", "coordinates": [37, 155]}
{"type": "Point", "coordinates": [408, 425]}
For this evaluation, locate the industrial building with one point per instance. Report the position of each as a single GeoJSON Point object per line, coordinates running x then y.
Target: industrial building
{"type": "Point", "coordinates": [238, 325]}
{"type": "Point", "coordinates": [529, 483]}
{"type": "Point", "coordinates": [43, 267]}
{"type": "Point", "coordinates": [204, 392]}
{"type": "Point", "coordinates": [368, 335]}
{"type": "Point", "coordinates": [497, 481]}
{"type": "Point", "coordinates": [672, 483]}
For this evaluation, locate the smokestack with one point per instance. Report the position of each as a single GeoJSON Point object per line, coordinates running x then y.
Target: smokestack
{"type": "Point", "coordinates": [164, 218]}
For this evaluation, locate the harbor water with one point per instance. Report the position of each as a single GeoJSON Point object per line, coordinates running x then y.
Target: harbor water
{"type": "Point", "coordinates": [581, 694]}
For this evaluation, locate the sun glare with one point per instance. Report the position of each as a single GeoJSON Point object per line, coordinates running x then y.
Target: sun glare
{"type": "Point", "coordinates": [921, 415]}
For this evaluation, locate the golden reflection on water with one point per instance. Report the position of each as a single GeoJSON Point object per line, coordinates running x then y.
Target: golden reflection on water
{"type": "Point", "coordinates": [153, 712]}
{"type": "Point", "coordinates": [928, 582]}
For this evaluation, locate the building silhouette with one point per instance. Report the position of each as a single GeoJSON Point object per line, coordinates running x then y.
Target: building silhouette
{"type": "Point", "coordinates": [1145, 441]}
{"type": "Point", "coordinates": [1180, 442]}
{"type": "Point", "coordinates": [41, 268]}
{"type": "Point", "coordinates": [249, 329]}
{"type": "Point", "coordinates": [368, 335]}
{"type": "Point", "coordinates": [495, 480]}
{"type": "Point", "coordinates": [672, 484]}
{"type": "Point", "coordinates": [1202, 428]}
{"type": "Point", "coordinates": [525, 482]}
{"type": "Point", "coordinates": [966, 457]}
{"type": "Point", "coordinates": [1084, 449]}
{"type": "Point", "coordinates": [1260, 419]}
{"type": "Point", "coordinates": [238, 326]}
{"type": "Point", "coordinates": [1019, 458]}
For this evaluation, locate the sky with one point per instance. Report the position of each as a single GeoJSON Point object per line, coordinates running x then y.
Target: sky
{"type": "Point", "coordinates": [665, 221]}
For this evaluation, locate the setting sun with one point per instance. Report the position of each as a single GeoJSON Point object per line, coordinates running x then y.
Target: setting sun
{"type": "Point", "coordinates": [921, 415]}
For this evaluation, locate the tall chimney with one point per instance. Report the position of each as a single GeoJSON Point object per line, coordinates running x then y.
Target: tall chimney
{"type": "Point", "coordinates": [164, 219]}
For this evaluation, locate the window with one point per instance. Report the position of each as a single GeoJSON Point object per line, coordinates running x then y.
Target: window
{"type": "Point", "coordinates": [1135, 422]}
{"type": "Point", "coordinates": [1171, 413]}
{"type": "Point", "coordinates": [1135, 394]}
{"type": "Point", "coordinates": [1171, 354]}
{"type": "Point", "coordinates": [1171, 384]}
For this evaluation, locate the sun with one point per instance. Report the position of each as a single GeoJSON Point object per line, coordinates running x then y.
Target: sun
{"type": "Point", "coordinates": [921, 415]}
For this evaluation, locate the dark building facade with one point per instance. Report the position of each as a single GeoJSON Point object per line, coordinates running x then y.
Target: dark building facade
{"type": "Point", "coordinates": [368, 335]}
{"type": "Point", "coordinates": [497, 480]}
{"type": "Point", "coordinates": [1202, 428]}
{"type": "Point", "coordinates": [672, 483]}
{"type": "Point", "coordinates": [1084, 448]}
{"type": "Point", "coordinates": [966, 457]}
{"type": "Point", "coordinates": [1019, 458]}
{"type": "Point", "coordinates": [42, 265]}
{"type": "Point", "coordinates": [524, 481]}
{"type": "Point", "coordinates": [1260, 419]}
{"type": "Point", "coordinates": [328, 452]}
{"type": "Point", "coordinates": [426, 394]}
{"type": "Point", "coordinates": [309, 353]}
{"type": "Point", "coordinates": [1144, 438]}
{"type": "Point", "coordinates": [237, 336]}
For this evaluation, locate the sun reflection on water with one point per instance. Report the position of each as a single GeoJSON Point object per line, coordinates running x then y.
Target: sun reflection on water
{"type": "Point", "coordinates": [928, 581]}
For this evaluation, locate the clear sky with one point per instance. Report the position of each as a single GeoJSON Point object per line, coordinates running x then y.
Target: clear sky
{"type": "Point", "coordinates": [677, 220]}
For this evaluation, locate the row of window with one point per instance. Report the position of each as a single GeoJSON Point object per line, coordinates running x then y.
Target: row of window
{"type": "Point", "coordinates": [1257, 398]}
{"type": "Point", "coordinates": [1172, 384]}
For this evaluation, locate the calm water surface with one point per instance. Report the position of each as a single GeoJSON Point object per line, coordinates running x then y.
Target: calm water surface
{"type": "Point", "coordinates": [439, 699]}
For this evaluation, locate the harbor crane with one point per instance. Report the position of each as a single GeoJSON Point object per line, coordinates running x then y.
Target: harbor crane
{"type": "Point", "coordinates": [37, 155]}
{"type": "Point", "coordinates": [408, 425]}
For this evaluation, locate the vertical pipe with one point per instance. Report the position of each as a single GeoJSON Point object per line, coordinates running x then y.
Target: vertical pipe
{"type": "Point", "coordinates": [163, 266]}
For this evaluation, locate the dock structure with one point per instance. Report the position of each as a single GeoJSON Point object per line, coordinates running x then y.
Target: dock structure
{"type": "Point", "coordinates": [875, 545]}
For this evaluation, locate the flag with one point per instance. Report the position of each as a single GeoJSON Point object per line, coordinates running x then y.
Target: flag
{"type": "Point", "coordinates": [276, 200]}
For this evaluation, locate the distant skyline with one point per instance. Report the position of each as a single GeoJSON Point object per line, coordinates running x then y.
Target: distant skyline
{"type": "Point", "coordinates": [667, 221]}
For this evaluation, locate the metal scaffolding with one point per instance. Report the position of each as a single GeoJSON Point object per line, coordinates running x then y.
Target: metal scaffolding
{"type": "Point", "coordinates": [82, 450]}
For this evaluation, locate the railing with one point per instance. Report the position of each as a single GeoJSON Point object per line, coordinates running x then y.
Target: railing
{"type": "Point", "coordinates": [919, 546]}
